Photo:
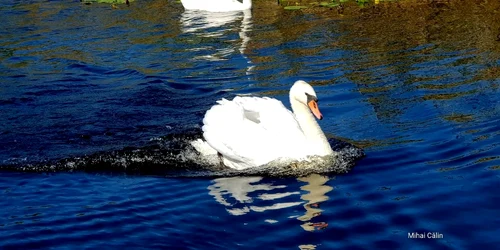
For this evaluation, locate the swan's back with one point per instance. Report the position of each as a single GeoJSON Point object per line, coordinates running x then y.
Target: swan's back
{"type": "Point", "coordinates": [252, 131]}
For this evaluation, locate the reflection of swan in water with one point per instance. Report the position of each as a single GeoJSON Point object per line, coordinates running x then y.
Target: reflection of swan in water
{"type": "Point", "coordinates": [242, 195]}
{"type": "Point", "coordinates": [317, 194]}
{"type": "Point", "coordinates": [240, 189]}
{"type": "Point", "coordinates": [215, 25]}
{"type": "Point", "coordinates": [246, 26]}
{"type": "Point", "coordinates": [217, 5]}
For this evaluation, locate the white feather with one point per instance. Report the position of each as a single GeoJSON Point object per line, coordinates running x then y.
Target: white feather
{"type": "Point", "coordinates": [253, 131]}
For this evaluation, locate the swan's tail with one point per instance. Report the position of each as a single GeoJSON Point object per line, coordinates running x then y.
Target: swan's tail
{"type": "Point", "coordinates": [203, 148]}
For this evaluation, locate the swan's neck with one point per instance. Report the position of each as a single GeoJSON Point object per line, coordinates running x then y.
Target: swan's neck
{"type": "Point", "coordinates": [314, 135]}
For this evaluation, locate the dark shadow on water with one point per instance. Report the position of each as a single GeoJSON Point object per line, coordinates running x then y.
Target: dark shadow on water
{"type": "Point", "coordinates": [173, 156]}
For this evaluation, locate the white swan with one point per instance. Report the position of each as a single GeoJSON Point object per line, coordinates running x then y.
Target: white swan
{"type": "Point", "coordinates": [252, 131]}
{"type": "Point", "coordinates": [217, 5]}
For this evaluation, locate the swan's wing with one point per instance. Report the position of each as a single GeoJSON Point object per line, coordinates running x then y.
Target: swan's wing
{"type": "Point", "coordinates": [272, 116]}
{"type": "Point", "coordinates": [226, 129]}
{"type": "Point", "coordinates": [251, 131]}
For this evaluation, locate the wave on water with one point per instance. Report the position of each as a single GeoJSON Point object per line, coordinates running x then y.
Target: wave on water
{"type": "Point", "coordinates": [173, 155]}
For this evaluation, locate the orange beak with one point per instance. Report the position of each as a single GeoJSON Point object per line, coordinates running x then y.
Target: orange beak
{"type": "Point", "coordinates": [313, 105]}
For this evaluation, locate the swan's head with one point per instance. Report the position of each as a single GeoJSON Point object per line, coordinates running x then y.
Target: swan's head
{"type": "Point", "coordinates": [304, 93]}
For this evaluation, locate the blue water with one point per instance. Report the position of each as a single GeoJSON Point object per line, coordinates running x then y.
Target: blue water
{"type": "Point", "coordinates": [97, 100]}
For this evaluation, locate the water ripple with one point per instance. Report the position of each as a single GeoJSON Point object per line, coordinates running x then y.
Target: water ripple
{"type": "Point", "coordinates": [107, 88]}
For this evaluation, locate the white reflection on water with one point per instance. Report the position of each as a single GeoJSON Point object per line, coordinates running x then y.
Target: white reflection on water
{"type": "Point", "coordinates": [317, 189]}
{"type": "Point", "coordinates": [239, 190]}
{"type": "Point", "coordinates": [217, 25]}
{"type": "Point", "coordinates": [242, 195]}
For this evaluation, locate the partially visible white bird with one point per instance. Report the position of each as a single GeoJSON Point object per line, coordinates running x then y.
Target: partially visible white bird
{"type": "Point", "coordinates": [252, 131]}
{"type": "Point", "coordinates": [217, 5]}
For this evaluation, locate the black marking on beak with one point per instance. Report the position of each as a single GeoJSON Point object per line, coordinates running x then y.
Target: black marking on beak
{"type": "Point", "coordinates": [311, 98]}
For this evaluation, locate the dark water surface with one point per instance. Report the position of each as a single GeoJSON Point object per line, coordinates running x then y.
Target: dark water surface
{"type": "Point", "coordinates": [109, 88]}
